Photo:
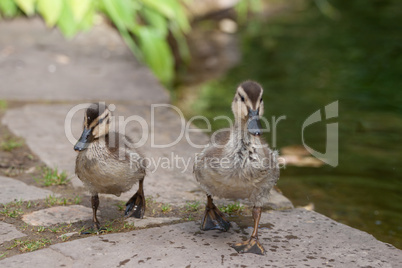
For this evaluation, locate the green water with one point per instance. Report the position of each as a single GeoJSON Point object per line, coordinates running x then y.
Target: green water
{"type": "Point", "coordinates": [306, 60]}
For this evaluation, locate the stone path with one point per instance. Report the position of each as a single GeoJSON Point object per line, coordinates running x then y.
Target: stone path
{"type": "Point", "coordinates": [51, 76]}
{"type": "Point", "coordinates": [58, 214]}
{"type": "Point", "coordinates": [38, 64]}
{"type": "Point", "coordinates": [8, 232]}
{"type": "Point", "coordinates": [296, 238]}
{"type": "Point", "coordinates": [151, 221]}
{"type": "Point", "coordinates": [13, 190]}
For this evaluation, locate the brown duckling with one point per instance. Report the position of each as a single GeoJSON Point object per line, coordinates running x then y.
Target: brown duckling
{"type": "Point", "coordinates": [238, 163]}
{"type": "Point", "coordinates": [104, 162]}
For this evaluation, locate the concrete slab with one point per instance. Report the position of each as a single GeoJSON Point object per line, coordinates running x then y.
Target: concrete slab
{"type": "Point", "coordinates": [149, 221]}
{"type": "Point", "coordinates": [47, 258]}
{"type": "Point", "coordinates": [59, 214]}
{"type": "Point", "coordinates": [296, 238]}
{"type": "Point", "coordinates": [8, 232]}
{"type": "Point", "coordinates": [278, 202]}
{"type": "Point", "coordinates": [14, 190]}
{"type": "Point", "coordinates": [39, 64]}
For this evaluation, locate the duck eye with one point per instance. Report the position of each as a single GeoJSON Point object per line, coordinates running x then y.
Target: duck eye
{"type": "Point", "coordinates": [261, 100]}
{"type": "Point", "coordinates": [242, 98]}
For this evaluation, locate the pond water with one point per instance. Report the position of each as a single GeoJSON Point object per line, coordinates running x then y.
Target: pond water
{"type": "Point", "coordinates": [306, 59]}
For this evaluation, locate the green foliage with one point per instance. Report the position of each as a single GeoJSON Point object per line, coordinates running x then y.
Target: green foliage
{"type": "Point", "coordinates": [11, 211]}
{"type": "Point", "coordinates": [166, 208]}
{"type": "Point", "coordinates": [143, 24]}
{"type": "Point", "coordinates": [41, 229]}
{"type": "Point", "coordinates": [243, 7]}
{"type": "Point", "coordinates": [3, 104]}
{"type": "Point", "coordinates": [128, 225]}
{"type": "Point", "coordinates": [121, 206]}
{"type": "Point", "coordinates": [53, 200]}
{"type": "Point", "coordinates": [30, 245]}
{"type": "Point", "coordinates": [59, 229]}
{"type": "Point", "coordinates": [192, 206]}
{"type": "Point", "coordinates": [28, 6]}
{"type": "Point", "coordinates": [50, 10]}
{"type": "Point", "coordinates": [8, 8]}
{"type": "Point", "coordinates": [10, 143]}
{"type": "Point", "coordinates": [232, 208]}
{"type": "Point", "coordinates": [52, 177]}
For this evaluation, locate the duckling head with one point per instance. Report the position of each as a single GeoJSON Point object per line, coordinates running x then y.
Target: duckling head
{"type": "Point", "coordinates": [248, 106]}
{"type": "Point", "coordinates": [96, 125]}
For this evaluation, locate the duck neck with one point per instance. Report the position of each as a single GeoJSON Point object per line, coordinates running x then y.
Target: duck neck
{"type": "Point", "coordinates": [240, 139]}
{"type": "Point", "coordinates": [240, 131]}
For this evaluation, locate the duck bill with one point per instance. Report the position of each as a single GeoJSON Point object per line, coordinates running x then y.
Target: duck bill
{"type": "Point", "coordinates": [254, 124]}
{"type": "Point", "coordinates": [84, 140]}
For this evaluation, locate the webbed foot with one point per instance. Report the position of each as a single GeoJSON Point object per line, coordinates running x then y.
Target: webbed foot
{"type": "Point", "coordinates": [214, 219]}
{"type": "Point", "coordinates": [252, 245]}
{"type": "Point", "coordinates": [136, 204]}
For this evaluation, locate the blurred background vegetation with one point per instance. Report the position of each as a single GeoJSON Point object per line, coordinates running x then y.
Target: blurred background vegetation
{"type": "Point", "coordinates": [306, 54]}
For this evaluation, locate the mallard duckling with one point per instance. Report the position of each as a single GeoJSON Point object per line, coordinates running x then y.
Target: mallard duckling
{"type": "Point", "coordinates": [104, 162]}
{"type": "Point", "coordinates": [238, 164]}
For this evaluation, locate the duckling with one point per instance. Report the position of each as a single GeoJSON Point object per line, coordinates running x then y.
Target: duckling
{"type": "Point", "coordinates": [238, 163]}
{"type": "Point", "coordinates": [105, 162]}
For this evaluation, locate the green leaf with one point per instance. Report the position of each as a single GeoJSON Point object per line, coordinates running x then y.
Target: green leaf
{"type": "Point", "coordinates": [180, 15]}
{"type": "Point", "coordinates": [127, 12]}
{"type": "Point", "coordinates": [157, 54]}
{"type": "Point", "coordinates": [171, 9]}
{"type": "Point", "coordinates": [122, 12]}
{"type": "Point", "coordinates": [8, 8]}
{"type": "Point", "coordinates": [28, 6]}
{"type": "Point", "coordinates": [156, 20]}
{"type": "Point", "coordinates": [88, 20]}
{"type": "Point", "coordinates": [255, 5]}
{"type": "Point", "coordinates": [111, 10]}
{"type": "Point", "coordinates": [162, 6]}
{"type": "Point", "coordinates": [66, 22]}
{"type": "Point", "coordinates": [242, 10]}
{"type": "Point", "coordinates": [181, 42]}
{"type": "Point", "coordinates": [50, 10]}
{"type": "Point", "coordinates": [80, 8]}
{"type": "Point", "coordinates": [182, 21]}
